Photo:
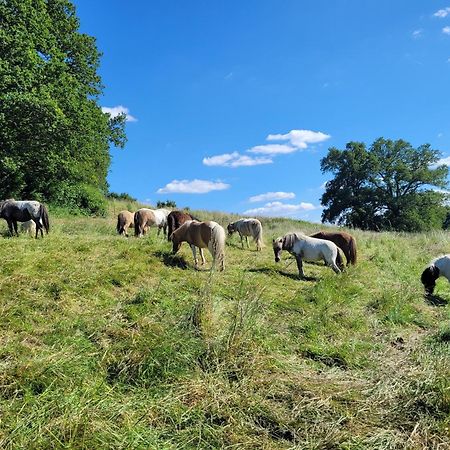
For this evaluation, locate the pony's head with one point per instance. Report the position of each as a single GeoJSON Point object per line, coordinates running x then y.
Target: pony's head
{"type": "Point", "coordinates": [277, 245]}
{"type": "Point", "coordinates": [429, 277]}
{"type": "Point", "coordinates": [176, 242]}
{"type": "Point", "coordinates": [231, 229]}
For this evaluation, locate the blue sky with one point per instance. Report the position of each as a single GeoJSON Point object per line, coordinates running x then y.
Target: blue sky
{"type": "Point", "coordinates": [232, 104]}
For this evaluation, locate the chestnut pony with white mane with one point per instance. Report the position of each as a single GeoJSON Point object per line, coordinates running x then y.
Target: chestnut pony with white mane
{"type": "Point", "coordinates": [208, 235]}
{"type": "Point", "coordinates": [245, 228]}
{"type": "Point", "coordinates": [309, 249]}
{"type": "Point", "coordinates": [21, 211]}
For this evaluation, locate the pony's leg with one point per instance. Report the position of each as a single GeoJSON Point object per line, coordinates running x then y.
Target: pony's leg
{"type": "Point", "coordinates": [15, 227]}
{"type": "Point", "coordinates": [301, 274]}
{"type": "Point", "coordinates": [242, 240]}
{"type": "Point", "coordinates": [246, 240]}
{"type": "Point", "coordinates": [202, 256]}
{"type": "Point", "coordinates": [159, 231]}
{"type": "Point", "coordinates": [10, 228]}
{"type": "Point", "coordinates": [194, 252]}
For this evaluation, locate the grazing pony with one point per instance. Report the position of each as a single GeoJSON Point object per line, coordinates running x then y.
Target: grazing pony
{"type": "Point", "coordinates": [125, 220]}
{"type": "Point", "coordinates": [345, 241]}
{"type": "Point", "coordinates": [143, 219]}
{"type": "Point", "coordinates": [161, 219]}
{"type": "Point", "coordinates": [202, 235]}
{"type": "Point", "coordinates": [247, 227]}
{"type": "Point", "coordinates": [175, 219]}
{"type": "Point", "coordinates": [28, 227]}
{"type": "Point", "coordinates": [307, 248]}
{"type": "Point", "coordinates": [437, 268]}
{"type": "Point", "coordinates": [21, 211]}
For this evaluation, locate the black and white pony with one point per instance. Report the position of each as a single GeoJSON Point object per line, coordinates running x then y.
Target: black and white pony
{"type": "Point", "coordinates": [309, 249]}
{"type": "Point", "coordinates": [438, 267]}
{"type": "Point", "coordinates": [21, 211]}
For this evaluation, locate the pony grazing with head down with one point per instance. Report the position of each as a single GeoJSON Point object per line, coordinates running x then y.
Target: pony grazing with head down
{"type": "Point", "coordinates": [309, 249]}
{"type": "Point", "coordinates": [175, 219]}
{"type": "Point", "coordinates": [208, 235]}
{"type": "Point", "coordinates": [143, 219]}
{"type": "Point", "coordinates": [247, 227]}
{"type": "Point", "coordinates": [438, 267]}
{"type": "Point", "coordinates": [345, 241]}
{"type": "Point", "coordinates": [21, 211]}
{"type": "Point", "coordinates": [125, 220]}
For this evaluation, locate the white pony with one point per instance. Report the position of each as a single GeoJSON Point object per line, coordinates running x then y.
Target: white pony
{"type": "Point", "coordinates": [208, 235]}
{"type": "Point", "coordinates": [309, 249]}
{"type": "Point", "coordinates": [247, 227]}
{"type": "Point", "coordinates": [161, 219]}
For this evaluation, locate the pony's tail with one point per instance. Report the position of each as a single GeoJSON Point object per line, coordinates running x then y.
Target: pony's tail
{"type": "Point", "coordinates": [137, 223]}
{"type": "Point", "coordinates": [170, 226]}
{"type": "Point", "coordinates": [218, 238]}
{"type": "Point", "coordinates": [352, 251]}
{"type": "Point", "coordinates": [43, 216]}
{"type": "Point", "coordinates": [259, 237]}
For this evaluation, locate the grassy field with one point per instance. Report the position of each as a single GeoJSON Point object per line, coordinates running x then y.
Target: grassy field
{"type": "Point", "coordinates": [113, 343]}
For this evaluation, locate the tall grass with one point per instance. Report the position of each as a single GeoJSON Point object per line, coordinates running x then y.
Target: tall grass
{"type": "Point", "coordinates": [110, 342]}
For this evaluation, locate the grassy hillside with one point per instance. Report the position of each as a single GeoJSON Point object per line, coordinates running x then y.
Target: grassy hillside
{"type": "Point", "coordinates": [108, 342]}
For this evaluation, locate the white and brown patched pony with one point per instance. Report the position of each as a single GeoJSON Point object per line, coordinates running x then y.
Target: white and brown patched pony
{"type": "Point", "coordinates": [125, 220]}
{"type": "Point", "coordinates": [208, 235]}
{"type": "Point", "coordinates": [21, 211]}
{"type": "Point", "coordinates": [309, 249]}
{"type": "Point", "coordinates": [245, 228]}
{"type": "Point", "coordinates": [161, 219]}
{"type": "Point", "coordinates": [345, 241]}
{"type": "Point", "coordinates": [143, 219]}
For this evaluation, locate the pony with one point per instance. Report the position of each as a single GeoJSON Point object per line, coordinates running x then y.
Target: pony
{"type": "Point", "coordinates": [438, 267]}
{"type": "Point", "coordinates": [345, 241]}
{"type": "Point", "coordinates": [175, 219]}
{"type": "Point", "coordinates": [202, 235]}
{"type": "Point", "coordinates": [21, 211]}
{"type": "Point", "coordinates": [143, 219]}
{"type": "Point", "coordinates": [125, 220]}
{"type": "Point", "coordinates": [161, 219]}
{"type": "Point", "coordinates": [247, 227]}
{"type": "Point", "coordinates": [307, 248]}
{"type": "Point", "coordinates": [28, 227]}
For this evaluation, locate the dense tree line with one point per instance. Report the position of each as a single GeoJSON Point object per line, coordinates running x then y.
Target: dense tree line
{"type": "Point", "coordinates": [54, 137]}
{"type": "Point", "coordinates": [389, 186]}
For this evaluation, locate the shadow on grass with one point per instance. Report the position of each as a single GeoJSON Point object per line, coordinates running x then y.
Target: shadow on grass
{"type": "Point", "coordinates": [269, 271]}
{"type": "Point", "coordinates": [171, 260]}
{"type": "Point", "coordinates": [435, 300]}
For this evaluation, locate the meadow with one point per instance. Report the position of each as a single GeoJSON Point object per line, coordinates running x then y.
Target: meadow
{"type": "Point", "coordinates": [114, 343]}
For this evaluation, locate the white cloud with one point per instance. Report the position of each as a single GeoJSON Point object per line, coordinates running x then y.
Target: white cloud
{"type": "Point", "coordinates": [443, 161]}
{"type": "Point", "coordinates": [417, 33]}
{"type": "Point", "coordinates": [272, 149]}
{"type": "Point", "coordinates": [235, 159]}
{"type": "Point", "coordinates": [446, 30]}
{"type": "Point", "coordinates": [300, 139]}
{"type": "Point", "coordinates": [271, 196]}
{"type": "Point", "coordinates": [442, 12]}
{"type": "Point", "coordinates": [192, 187]}
{"type": "Point", "coordinates": [278, 209]}
{"type": "Point", "coordinates": [116, 110]}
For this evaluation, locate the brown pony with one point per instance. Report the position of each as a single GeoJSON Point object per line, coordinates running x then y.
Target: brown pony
{"type": "Point", "coordinates": [143, 219]}
{"type": "Point", "coordinates": [125, 219]}
{"type": "Point", "coordinates": [345, 241]}
{"type": "Point", "coordinates": [175, 219]}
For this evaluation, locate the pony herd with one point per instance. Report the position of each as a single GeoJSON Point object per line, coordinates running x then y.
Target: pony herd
{"type": "Point", "coordinates": [182, 227]}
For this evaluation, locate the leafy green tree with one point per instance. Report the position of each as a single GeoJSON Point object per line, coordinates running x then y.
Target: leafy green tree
{"type": "Point", "coordinates": [388, 186]}
{"type": "Point", "coordinates": [166, 204]}
{"type": "Point", "coordinates": [54, 137]}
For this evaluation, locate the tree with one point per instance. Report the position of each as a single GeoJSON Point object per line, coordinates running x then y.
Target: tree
{"type": "Point", "coordinates": [388, 186]}
{"type": "Point", "coordinates": [54, 137]}
{"type": "Point", "coordinates": [166, 204]}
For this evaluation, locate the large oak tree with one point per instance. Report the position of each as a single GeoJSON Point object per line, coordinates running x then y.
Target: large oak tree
{"type": "Point", "coordinates": [54, 137]}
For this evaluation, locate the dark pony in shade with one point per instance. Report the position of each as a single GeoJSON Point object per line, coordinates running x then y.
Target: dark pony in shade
{"type": "Point", "coordinates": [175, 219]}
{"type": "Point", "coordinates": [345, 241]}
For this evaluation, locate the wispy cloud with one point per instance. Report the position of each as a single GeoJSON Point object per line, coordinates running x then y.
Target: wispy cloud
{"type": "Point", "coordinates": [442, 161]}
{"type": "Point", "coordinates": [235, 159]}
{"type": "Point", "coordinates": [272, 149]}
{"type": "Point", "coordinates": [416, 34]}
{"type": "Point", "coordinates": [446, 30]}
{"type": "Point", "coordinates": [192, 187]}
{"type": "Point", "coordinates": [279, 209]}
{"type": "Point", "coordinates": [114, 111]}
{"type": "Point", "coordinates": [300, 139]}
{"type": "Point", "coordinates": [271, 196]}
{"type": "Point", "coordinates": [442, 12]}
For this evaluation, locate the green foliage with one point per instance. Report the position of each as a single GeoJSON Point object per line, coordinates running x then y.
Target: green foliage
{"type": "Point", "coordinates": [385, 187]}
{"type": "Point", "coordinates": [52, 131]}
{"type": "Point", "coordinates": [166, 204]}
{"type": "Point", "coordinates": [122, 196]}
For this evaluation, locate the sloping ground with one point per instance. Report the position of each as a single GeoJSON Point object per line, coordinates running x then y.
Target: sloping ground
{"type": "Point", "coordinates": [108, 342]}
